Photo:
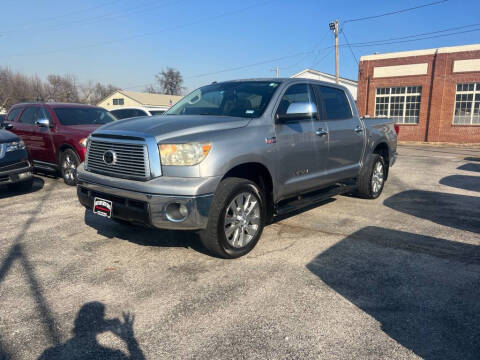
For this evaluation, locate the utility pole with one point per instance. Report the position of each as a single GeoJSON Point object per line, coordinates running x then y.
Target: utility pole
{"type": "Point", "coordinates": [334, 26]}
{"type": "Point", "coordinates": [276, 71]}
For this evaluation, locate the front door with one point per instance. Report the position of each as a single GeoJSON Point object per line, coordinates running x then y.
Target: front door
{"type": "Point", "coordinates": [46, 147]}
{"type": "Point", "coordinates": [38, 140]}
{"type": "Point", "coordinates": [301, 153]}
{"type": "Point", "coordinates": [346, 134]}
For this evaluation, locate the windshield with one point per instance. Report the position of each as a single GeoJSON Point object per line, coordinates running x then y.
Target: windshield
{"type": "Point", "coordinates": [83, 116]}
{"type": "Point", "coordinates": [236, 98]}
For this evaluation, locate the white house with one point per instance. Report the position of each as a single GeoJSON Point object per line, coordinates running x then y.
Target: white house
{"type": "Point", "coordinates": [351, 85]}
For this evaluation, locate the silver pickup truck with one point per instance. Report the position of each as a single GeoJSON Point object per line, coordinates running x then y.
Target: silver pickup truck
{"type": "Point", "coordinates": [230, 156]}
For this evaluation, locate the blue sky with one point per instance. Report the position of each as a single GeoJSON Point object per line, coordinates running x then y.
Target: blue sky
{"type": "Point", "coordinates": [126, 42]}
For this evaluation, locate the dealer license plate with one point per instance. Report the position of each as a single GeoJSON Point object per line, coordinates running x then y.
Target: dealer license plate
{"type": "Point", "coordinates": [102, 207]}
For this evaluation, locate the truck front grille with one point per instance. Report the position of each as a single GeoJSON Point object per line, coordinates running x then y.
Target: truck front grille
{"type": "Point", "coordinates": [127, 160]}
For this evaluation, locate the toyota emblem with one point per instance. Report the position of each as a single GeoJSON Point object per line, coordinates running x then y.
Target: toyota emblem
{"type": "Point", "coordinates": [109, 157]}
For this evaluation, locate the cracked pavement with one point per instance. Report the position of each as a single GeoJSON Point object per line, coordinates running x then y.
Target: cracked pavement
{"type": "Point", "coordinates": [396, 277]}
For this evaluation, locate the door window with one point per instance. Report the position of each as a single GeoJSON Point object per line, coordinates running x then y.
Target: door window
{"type": "Point", "coordinates": [28, 116]}
{"type": "Point", "coordinates": [336, 103]}
{"type": "Point", "coordinates": [13, 114]}
{"type": "Point", "coordinates": [298, 93]}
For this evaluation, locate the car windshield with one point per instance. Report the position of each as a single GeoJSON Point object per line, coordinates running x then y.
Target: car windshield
{"type": "Point", "coordinates": [236, 98]}
{"type": "Point", "coordinates": [83, 116]}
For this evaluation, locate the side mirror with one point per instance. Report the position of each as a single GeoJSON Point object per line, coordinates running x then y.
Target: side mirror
{"type": "Point", "coordinates": [43, 123]}
{"type": "Point", "coordinates": [7, 126]}
{"type": "Point", "coordinates": [299, 111]}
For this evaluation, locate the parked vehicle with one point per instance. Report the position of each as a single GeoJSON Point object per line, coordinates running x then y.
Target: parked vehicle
{"type": "Point", "coordinates": [56, 134]}
{"type": "Point", "coordinates": [15, 167]}
{"type": "Point", "coordinates": [2, 120]}
{"type": "Point", "coordinates": [125, 113]}
{"type": "Point", "coordinates": [229, 156]}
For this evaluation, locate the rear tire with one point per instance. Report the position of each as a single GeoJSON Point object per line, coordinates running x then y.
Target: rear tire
{"type": "Point", "coordinates": [371, 181]}
{"type": "Point", "coordinates": [236, 220]}
{"type": "Point", "coordinates": [69, 161]}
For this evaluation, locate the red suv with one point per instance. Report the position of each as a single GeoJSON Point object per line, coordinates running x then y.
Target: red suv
{"type": "Point", "coordinates": [55, 134]}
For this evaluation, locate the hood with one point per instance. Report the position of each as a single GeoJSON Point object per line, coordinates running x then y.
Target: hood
{"type": "Point", "coordinates": [170, 126]}
{"type": "Point", "coordinates": [7, 136]}
{"type": "Point", "coordinates": [85, 129]}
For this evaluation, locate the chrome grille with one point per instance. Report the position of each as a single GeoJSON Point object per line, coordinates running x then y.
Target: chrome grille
{"type": "Point", "coordinates": [131, 159]}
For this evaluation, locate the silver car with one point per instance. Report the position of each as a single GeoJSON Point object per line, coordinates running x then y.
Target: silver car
{"type": "Point", "coordinates": [230, 156]}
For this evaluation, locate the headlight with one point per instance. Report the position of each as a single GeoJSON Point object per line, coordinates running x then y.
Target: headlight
{"type": "Point", "coordinates": [84, 142]}
{"type": "Point", "coordinates": [183, 154]}
{"type": "Point", "coordinates": [15, 145]}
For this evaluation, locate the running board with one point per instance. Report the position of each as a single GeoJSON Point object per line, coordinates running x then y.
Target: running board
{"type": "Point", "coordinates": [40, 165]}
{"type": "Point", "coordinates": [288, 206]}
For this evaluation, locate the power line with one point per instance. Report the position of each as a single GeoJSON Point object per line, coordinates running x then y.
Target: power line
{"type": "Point", "coordinates": [147, 6]}
{"type": "Point", "coordinates": [351, 50]}
{"type": "Point", "coordinates": [378, 42]}
{"type": "Point", "coordinates": [53, 18]}
{"type": "Point", "coordinates": [205, 19]}
{"type": "Point", "coordinates": [420, 34]}
{"type": "Point", "coordinates": [359, 44]}
{"type": "Point", "coordinates": [394, 12]}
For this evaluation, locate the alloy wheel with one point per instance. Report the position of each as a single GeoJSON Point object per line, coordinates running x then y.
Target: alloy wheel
{"type": "Point", "coordinates": [242, 220]}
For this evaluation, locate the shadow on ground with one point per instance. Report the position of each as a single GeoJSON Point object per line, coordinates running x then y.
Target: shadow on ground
{"type": "Point", "coordinates": [471, 158]}
{"type": "Point", "coordinates": [465, 182]}
{"type": "Point", "coordinates": [142, 235]}
{"type": "Point", "coordinates": [470, 167]}
{"type": "Point", "coordinates": [424, 291]}
{"type": "Point", "coordinates": [6, 192]}
{"type": "Point", "coordinates": [456, 211]}
{"type": "Point", "coordinates": [89, 323]}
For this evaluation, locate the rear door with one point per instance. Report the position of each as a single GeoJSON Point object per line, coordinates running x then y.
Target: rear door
{"type": "Point", "coordinates": [300, 151]}
{"type": "Point", "coordinates": [345, 133]}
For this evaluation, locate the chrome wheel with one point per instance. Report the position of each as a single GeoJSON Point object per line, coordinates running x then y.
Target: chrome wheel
{"type": "Point", "coordinates": [377, 177]}
{"type": "Point", "coordinates": [69, 167]}
{"type": "Point", "coordinates": [242, 220]}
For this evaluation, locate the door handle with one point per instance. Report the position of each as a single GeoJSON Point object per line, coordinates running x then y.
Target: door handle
{"type": "Point", "coordinates": [358, 129]}
{"type": "Point", "coordinates": [321, 132]}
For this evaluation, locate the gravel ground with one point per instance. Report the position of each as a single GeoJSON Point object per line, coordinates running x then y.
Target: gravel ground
{"type": "Point", "coordinates": [397, 277]}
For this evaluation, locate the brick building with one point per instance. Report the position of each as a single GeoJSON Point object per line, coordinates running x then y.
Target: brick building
{"type": "Point", "coordinates": [433, 94]}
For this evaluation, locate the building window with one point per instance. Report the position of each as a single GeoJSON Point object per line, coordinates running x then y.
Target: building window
{"type": "Point", "coordinates": [117, 101]}
{"type": "Point", "coordinates": [467, 104]}
{"type": "Point", "coordinates": [400, 103]}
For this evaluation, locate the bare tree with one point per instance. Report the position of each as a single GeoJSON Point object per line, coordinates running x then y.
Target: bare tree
{"type": "Point", "coordinates": [170, 81]}
{"type": "Point", "coordinates": [151, 89]}
{"type": "Point", "coordinates": [16, 87]}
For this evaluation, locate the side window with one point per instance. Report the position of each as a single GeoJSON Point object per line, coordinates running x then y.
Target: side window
{"type": "Point", "coordinates": [28, 116]}
{"type": "Point", "coordinates": [336, 103]}
{"type": "Point", "coordinates": [13, 114]}
{"type": "Point", "coordinates": [140, 113]}
{"type": "Point", "coordinates": [42, 114]}
{"type": "Point", "coordinates": [299, 93]}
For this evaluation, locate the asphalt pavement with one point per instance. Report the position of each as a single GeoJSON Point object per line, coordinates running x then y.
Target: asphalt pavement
{"type": "Point", "coordinates": [393, 278]}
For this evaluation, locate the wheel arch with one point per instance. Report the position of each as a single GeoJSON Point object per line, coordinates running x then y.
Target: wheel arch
{"type": "Point", "coordinates": [259, 174]}
{"type": "Point", "coordinates": [383, 150]}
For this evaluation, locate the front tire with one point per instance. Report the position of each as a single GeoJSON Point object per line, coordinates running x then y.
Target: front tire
{"type": "Point", "coordinates": [371, 182]}
{"type": "Point", "coordinates": [69, 161]}
{"type": "Point", "coordinates": [236, 220]}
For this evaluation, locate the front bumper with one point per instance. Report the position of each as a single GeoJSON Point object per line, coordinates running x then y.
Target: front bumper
{"type": "Point", "coordinates": [14, 173]}
{"type": "Point", "coordinates": [148, 209]}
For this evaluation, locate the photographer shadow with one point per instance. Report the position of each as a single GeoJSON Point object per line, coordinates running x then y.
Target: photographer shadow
{"type": "Point", "coordinates": [89, 323]}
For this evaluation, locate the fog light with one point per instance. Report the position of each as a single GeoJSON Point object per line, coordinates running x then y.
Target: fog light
{"type": "Point", "coordinates": [176, 212]}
